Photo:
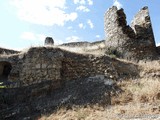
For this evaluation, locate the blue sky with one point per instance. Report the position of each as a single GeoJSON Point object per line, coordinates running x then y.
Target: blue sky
{"type": "Point", "coordinates": [25, 23]}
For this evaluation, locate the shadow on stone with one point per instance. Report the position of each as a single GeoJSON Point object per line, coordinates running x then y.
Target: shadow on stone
{"type": "Point", "coordinates": [17, 104]}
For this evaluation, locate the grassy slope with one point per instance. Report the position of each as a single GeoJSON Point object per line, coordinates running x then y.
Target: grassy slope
{"type": "Point", "coordinates": [140, 99]}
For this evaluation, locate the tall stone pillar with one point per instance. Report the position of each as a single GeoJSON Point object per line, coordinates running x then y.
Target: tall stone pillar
{"type": "Point", "coordinates": [135, 42]}
{"type": "Point", "coordinates": [142, 26]}
{"type": "Point", "coordinates": [118, 34]}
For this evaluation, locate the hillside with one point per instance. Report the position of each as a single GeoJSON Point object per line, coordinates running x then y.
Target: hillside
{"type": "Point", "coordinates": [135, 98]}
{"type": "Point", "coordinates": [114, 79]}
{"type": "Point", "coordinates": [126, 90]}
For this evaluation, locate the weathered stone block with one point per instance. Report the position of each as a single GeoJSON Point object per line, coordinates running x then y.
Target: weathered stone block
{"type": "Point", "coordinates": [44, 65]}
{"type": "Point", "coordinates": [38, 66]}
{"type": "Point", "coordinates": [49, 41]}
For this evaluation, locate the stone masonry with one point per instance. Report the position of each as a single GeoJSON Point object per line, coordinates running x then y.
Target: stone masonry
{"type": "Point", "coordinates": [142, 27]}
{"type": "Point", "coordinates": [40, 70]}
{"type": "Point", "coordinates": [119, 35]}
{"type": "Point", "coordinates": [49, 41]}
{"type": "Point", "coordinates": [54, 64]}
{"type": "Point", "coordinates": [135, 42]}
{"type": "Point", "coordinates": [42, 64]}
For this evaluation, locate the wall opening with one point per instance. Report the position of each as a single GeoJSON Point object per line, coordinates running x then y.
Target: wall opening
{"type": "Point", "coordinates": [5, 69]}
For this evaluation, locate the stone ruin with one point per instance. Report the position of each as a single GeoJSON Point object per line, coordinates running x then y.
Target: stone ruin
{"type": "Point", "coordinates": [49, 41]}
{"type": "Point", "coordinates": [43, 69]}
{"type": "Point", "coordinates": [55, 64]}
{"type": "Point", "coordinates": [135, 42]}
{"type": "Point", "coordinates": [130, 42]}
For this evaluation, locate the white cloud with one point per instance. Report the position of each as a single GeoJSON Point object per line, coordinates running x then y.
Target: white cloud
{"type": "Point", "coordinates": [43, 12]}
{"type": "Point", "coordinates": [117, 4]}
{"type": "Point", "coordinates": [32, 36]}
{"type": "Point", "coordinates": [76, 1]}
{"type": "Point", "coordinates": [4, 45]}
{"type": "Point", "coordinates": [28, 36]}
{"type": "Point", "coordinates": [37, 39]}
{"type": "Point", "coordinates": [82, 26]}
{"type": "Point", "coordinates": [40, 37]}
{"type": "Point", "coordinates": [83, 2]}
{"type": "Point", "coordinates": [70, 27]}
{"type": "Point", "coordinates": [83, 8]}
{"type": "Point", "coordinates": [70, 17]}
{"type": "Point", "coordinates": [158, 44]}
{"type": "Point", "coordinates": [90, 2]}
{"type": "Point", "coordinates": [58, 42]}
{"type": "Point", "coordinates": [90, 23]}
{"type": "Point", "coordinates": [73, 39]}
{"type": "Point", "coordinates": [98, 36]}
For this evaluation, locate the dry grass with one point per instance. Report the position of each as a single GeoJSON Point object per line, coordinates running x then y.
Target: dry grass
{"type": "Point", "coordinates": [150, 69]}
{"type": "Point", "coordinates": [150, 66]}
{"type": "Point", "coordinates": [145, 89]}
{"type": "Point", "coordinates": [145, 104]}
{"type": "Point", "coordinates": [95, 50]}
{"type": "Point", "coordinates": [118, 112]}
{"type": "Point", "coordinates": [140, 100]}
{"type": "Point", "coordinates": [140, 96]}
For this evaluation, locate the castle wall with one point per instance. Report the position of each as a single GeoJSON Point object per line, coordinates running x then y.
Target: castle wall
{"type": "Point", "coordinates": [7, 51]}
{"type": "Point", "coordinates": [85, 47]}
{"type": "Point", "coordinates": [41, 64]}
{"type": "Point", "coordinates": [41, 70]}
{"type": "Point", "coordinates": [79, 66]}
{"type": "Point", "coordinates": [53, 64]}
{"type": "Point", "coordinates": [56, 65]}
{"type": "Point", "coordinates": [1, 69]}
{"type": "Point", "coordinates": [119, 36]}
{"type": "Point", "coordinates": [15, 63]}
{"type": "Point", "coordinates": [141, 24]}
{"type": "Point", "coordinates": [131, 43]}
{"type": "Point", "coordinates": [158, 50]}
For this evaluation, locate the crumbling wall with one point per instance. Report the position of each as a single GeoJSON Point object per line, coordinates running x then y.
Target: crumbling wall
{"type": "Point", "coordinates": [80, 66]}
{"type": "Point", "coordinates": [41, 64]}
{"type": "Point", "coordinates": [158, 50]}
{"type": "Point", "coordinates": [141, 24]}
{"type": "Point", "coordinates": [53, 64]}
{"type": "Point", "coordinates": [44, 69]}
{"type": "Point", "coordinates": [7, 51]}
{"type": "Point", "coordinates": [76, 66]}
{"type": "Point", "coordinates": [15, 63]}
{"type": "Point", "coordinates": [119, 36]}
{"type": "Point", "coordinates": [76, 44]}
{"type": "Point", "coordinates": [126, 42]}
{"type": "Point", "coordinates": [85, 47]}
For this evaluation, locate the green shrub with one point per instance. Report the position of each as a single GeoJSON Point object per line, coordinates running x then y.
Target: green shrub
{"type": "Point", "coordinates": [113, 52]}
{"type": "Point", "coordinates": [2, 86]}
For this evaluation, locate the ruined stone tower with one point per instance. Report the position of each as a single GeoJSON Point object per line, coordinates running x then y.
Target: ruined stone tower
{"type": "Point", "coordinates": [135, 42]}
{"type": "Point", "coordinates": [142, 27]}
